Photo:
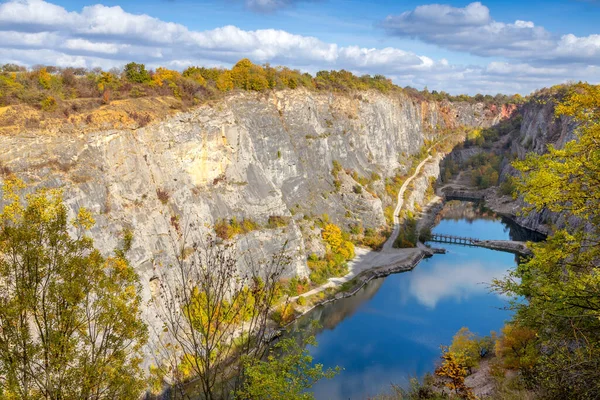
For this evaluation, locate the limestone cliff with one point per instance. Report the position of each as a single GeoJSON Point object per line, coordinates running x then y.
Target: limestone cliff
{"type": "Point", "coordinates": [540, 128]}
{"type": "Point", "coordinates": [246, 156]}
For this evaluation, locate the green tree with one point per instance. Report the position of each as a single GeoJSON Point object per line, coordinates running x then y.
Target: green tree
{"type": "Point", "coordinates": [287, 373]}
{"type": "Point", "coordinates": [137, 73]}
{"type": "Point", "coordinates": [561, 281]}
{"type": "Point", "coordinates": [70, 324]}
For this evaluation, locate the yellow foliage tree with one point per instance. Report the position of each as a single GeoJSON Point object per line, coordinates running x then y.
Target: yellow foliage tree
{"type": "Point", "coordinates": [516, 347]}
{"type": "Point", "coordinates": [44, 78]}
{"type": "Point", "coordinates": [163, 74]}
{"type": "Point", "coordinates": [332, 234]}
{"type": "Point", "coordinates": [465, 348]}
{"type": "Point", "coordinates": [225, 82]}
{"type": "Point", "coordinates": [455, 374]}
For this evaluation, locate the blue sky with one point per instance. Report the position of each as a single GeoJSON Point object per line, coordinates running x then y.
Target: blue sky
{"type": "Point", "coordinates": [457, 46]}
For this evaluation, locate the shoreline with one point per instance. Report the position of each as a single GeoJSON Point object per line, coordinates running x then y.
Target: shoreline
{"type": "Point", "coordinates": [501, 205]}
{"type": "Point", "coordinates": [363, 278]}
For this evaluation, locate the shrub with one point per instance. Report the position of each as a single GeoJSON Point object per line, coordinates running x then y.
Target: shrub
{"type": "Point", "coordinates": [284, 314]}
{"type": "Point", "coordinates": [48, 104]}
{"type": "Point", "coordinates": [508, 187]}
{"type": "Point", "coordinates": [227, 229]}
{"type": "Point", "coordinates": [516, 347]}
{"type": "Point", "coordinates": [278, 221]}
{"type": "Point", "coordinates": [162, 195]}
{"type": "Point", "coordinates": [301, 301]}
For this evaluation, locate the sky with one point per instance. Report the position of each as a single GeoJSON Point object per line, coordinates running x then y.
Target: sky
{"type": "Point", "coordinates": [468, 47]}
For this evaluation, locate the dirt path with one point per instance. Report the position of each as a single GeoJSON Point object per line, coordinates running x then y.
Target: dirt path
{"type": "Point", "coordinates": [367, 259]}
{"type": "Point", "coordinates": [388, 245]}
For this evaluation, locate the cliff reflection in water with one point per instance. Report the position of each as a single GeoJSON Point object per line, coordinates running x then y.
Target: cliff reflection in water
{"type": "Point", "coordinates": [330, 315]}
{"type": "Point", "coordinates": [393, 328]}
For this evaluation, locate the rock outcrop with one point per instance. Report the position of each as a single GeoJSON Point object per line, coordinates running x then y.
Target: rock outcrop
{"type": "Point", "coordinates": [540, 128]}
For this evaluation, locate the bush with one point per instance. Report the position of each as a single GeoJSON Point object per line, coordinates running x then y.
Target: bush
{"type": "Point", "coordinates": [162, 195]}
{"type": "Point", "coordinates": [508, 187]}
{"type": "Point", "coordinates": [278, 221]}
{"type": "Point", "coordinates": [301, 301]}
{"type": "Point", "coordinates": [48, 104]}
{"type": "Point", "coordinates": [227, 229]}
{"type": "Point", "coordinates": [284, 314]}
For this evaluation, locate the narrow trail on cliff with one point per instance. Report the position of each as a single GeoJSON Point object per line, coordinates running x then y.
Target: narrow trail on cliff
{"type": "Point", "coordinates": [367, 259]}
{"type": "Point", "coordinates": [388, 245]}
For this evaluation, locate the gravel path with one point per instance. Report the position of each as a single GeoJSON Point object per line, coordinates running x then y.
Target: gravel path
{"type": "Point", "coordinates": [388, 245]}
{"type": "Point", "coordinates": [367, 259]}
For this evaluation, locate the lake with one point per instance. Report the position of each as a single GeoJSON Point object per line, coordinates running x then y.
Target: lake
{"type": "Point", "coordinates": [393, 328]}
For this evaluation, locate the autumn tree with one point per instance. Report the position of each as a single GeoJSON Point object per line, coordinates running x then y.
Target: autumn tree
{"type": "Point", "coordinates": [561, 282]}
{"type": "Point", "coordinates": [165, 76]}
{"type": "Point", "coordinates": [225, 82]}
{"type": "Point", "coordinates": [70, 324]}
{"type": "Point", "coordinates": [212, 312]}
{"type": "Point", "coordinates": [467, 348]}
{"type": "Point", "coordinates": [454, 375]}
{"type": "Point", "coordinates": [197, 74]}
{"type": "Point", "coordinates": [333, 236]}
{"type": "Point", "coordinates": [516, 347]}
{"type": "Point", "coordinates": [287, 373]}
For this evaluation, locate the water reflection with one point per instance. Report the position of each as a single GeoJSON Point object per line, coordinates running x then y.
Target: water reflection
{"type": "Point", "coordinates": [392, 329]}
{"type": "Point", "coordinates": [430, 285]}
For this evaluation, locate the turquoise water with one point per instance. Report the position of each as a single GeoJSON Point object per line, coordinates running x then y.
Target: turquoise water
{"type": "Point", "coordinates": [393, 328]}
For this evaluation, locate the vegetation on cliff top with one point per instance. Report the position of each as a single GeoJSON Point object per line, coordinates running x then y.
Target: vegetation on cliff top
{"type": "Point", "coordinates": [52, 89]}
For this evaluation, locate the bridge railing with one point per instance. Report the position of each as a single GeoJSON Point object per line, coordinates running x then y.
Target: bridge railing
{"type": "Point", "coordinates": [463, 195]}
{"type": "Point", "coordinates": [443, 238]}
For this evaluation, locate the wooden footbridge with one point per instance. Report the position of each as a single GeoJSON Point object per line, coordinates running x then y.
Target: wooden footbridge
{"type": "Point", "coordinates": [463, 195]}
{"type": "Point", "coordinates": [442, 238]}
{"type": "Point", "coordinates": [510, 246]}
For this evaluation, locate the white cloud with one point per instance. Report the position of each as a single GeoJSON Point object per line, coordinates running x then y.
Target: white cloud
{"type": "Point", "coordinates": [35, 13]}
{"type": "Point", "coordinates": [269, 6]}
{"type": "Point", "coordinates": [38, 32]}
{"type": "Point", "coordinates": [579, 48]}
{"type": "Point", "coordinates": [471, 29]}
{"type": "Point", "coordinates": [437, 18]}
{"type": "Point", "coordinates": [428, 287]}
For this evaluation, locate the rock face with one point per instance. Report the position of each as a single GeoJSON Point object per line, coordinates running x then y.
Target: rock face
{"type": "Point", "coordinates": [539, 129]}
{"type": "Point", "coordinates": [248, 156]}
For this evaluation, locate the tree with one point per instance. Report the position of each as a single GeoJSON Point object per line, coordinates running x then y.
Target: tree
{"type": "Point", "coordinates": [212, 313]}
{"type": "Point", "coordinates": [197, 74]}
{"type": "Point", "coordinates": [241, 72]}
{"type": "Point", "coordinates": [561, 280]}
{"type": "Point", "coordinates": [70, 324]}
{"type": "Point", "coordinates": [465, 347]}
{"type": "Point", "coordinates": [163, 75]}
{"type": "Point", "coordinates": [137, 73]}
{"type": "Point", "coordinates": [455, 374]}
{"type": "Point", "coordinates": [516, 347]}
{"type": "Point", "coordinates": [225, 82]}
{"type": "Point", "coordinates": [287, 373]}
